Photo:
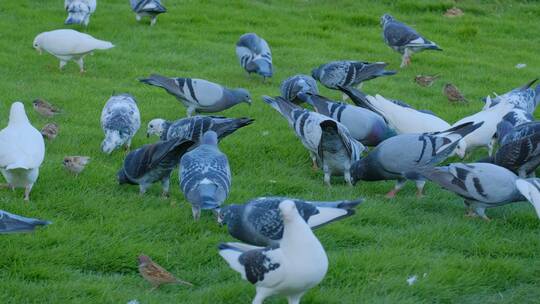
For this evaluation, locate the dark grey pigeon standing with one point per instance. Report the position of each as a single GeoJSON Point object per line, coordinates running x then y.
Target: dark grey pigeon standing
{"type": "Point", "coordinates": [258, 222]}
{"type": "Point", "coordinates": [150, 8]}
{"type": "Point", "coordinates": [12, 223]}
{"type": "Point", "coordinates": [254, 55]}
{"type": "Point", "coordinates": [404, 39]}
{"type": "Point", "coordinates": [199, 95]}
{"type": "Point", "coordinates": [120, 120]}
{"type": "Point", "coordinates": [524, 97]}
{"type": "Point", "coordinates": [205, 176]}
{"type": "Point", "coordinates": [194, 127]}
{"type": "Point", "coordinates": [153, 163]}
{"type": "Point", "coordinates": [292, 86]}
{"type": "Point", "coordinates": [398, 156]}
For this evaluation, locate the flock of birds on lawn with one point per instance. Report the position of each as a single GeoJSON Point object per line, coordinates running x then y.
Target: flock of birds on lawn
{"type": "Point", "coordinates": [280, 255]}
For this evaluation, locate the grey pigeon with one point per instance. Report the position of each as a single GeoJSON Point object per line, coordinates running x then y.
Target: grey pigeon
{"type": "Point", "coordinates": [79, 11]}
{"type": "Point", "coordinates": [153, 163]}
{"type": "Point", "coordinates": [517, 117]}
{"type": "Point", "coordinates": [254, 55]}
{"type": "Point", "coordinates": [482, 185]}
{"type": "Point", "coordinates": [329, 143]}
{"type": "Point", "coordinates": [12, 223]}
{"type": "Point", "coordinates": [525, 97]}
{"type": "Point", "coordinates": [258, 222]}
{"type": "Point", "coordinates": [120, 120]}
{"type": "Point", "coordinates": [199, 95]}
{"type": "Point", "coordinates": [348, 73]}
{"type": "Point", "coordinates": [150, 8]}
{"type": "Point", "coordinates": [366, 126]}
{"type": "Point", "coordinates": [530, 188]}
{"type": "Point", "coordinates": [205, 176]}
{"type": "Point", "coordinates": [292, 86]}
{"type": "Point", "coordinates": [404, 39]}
{"type": "Point", "coordinates": [298, 264]}
{"type": "Point", "coordinates": [396, 157]}
{"type": "Point", "coordinates": [194, 127]}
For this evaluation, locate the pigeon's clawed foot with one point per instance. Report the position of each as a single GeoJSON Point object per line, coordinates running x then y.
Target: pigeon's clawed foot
{"type": "Point", "coordinates": [165, 195]}
{"type": "Point", "coordinates": [27, 193]}
{"type": "Point", "coordinates": [314, 165]}
{"type": "Point", "coordinates": [391, 194]}
{"type": "Point", "coordinates": [471, 213]}
{"type": "Point", "coordinates": [196, 213]}
{"type": "Point", "coordinates": [419, 194]}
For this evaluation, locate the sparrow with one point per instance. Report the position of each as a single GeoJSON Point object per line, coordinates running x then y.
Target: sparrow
{"type": "Point", "coordinates": [452, 93]}
{"type": "Point", "coordinates": [50, 131]}
{"type": "Point", "coordinates": [155, 274]}
{"type": "Point", "coordinates": [75, 164]}
{"type": "Point", "coordinates": [44, 108]}
{"type": "Point", "coordinates": [425, 80]}
{"type": "Point", "coordinates": [453, 12]}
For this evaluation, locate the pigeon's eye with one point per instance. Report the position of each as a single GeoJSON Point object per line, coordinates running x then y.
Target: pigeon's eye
{"type": "Point", "coordinates": [151, 126]}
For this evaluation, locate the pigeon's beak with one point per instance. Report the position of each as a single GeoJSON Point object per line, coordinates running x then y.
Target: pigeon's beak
{"type": "Point", "coordinates": [249, 102]}
{"type": "Point", "coordinates": [147, 135]}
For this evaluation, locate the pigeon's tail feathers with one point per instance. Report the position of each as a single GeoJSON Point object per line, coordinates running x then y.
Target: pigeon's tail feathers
{"type": "Point", "coordinates": [357, 96]}
{"type": "Point", "coordinates": [460, 131]}
{"type": "Point", "coordinates": [332, 211]}
{"type": "Point", "coordinates": [166, 83]}
{"type": "Point", "coordinates": [281, 105]}
{"type": "Point", "coordinates": [76, 18]}
{"type": "Point", "coordinates": [17, 165]}
{"type": "Point", "coordinates": [103, 45]}
{"type": "Point", "coordinates": [529, 84]}
{"type": "Point", "coordinates": [377, 69]}
{"type": "Point", "coordinates": [207, 195]}
{"type": "Point", "coordinates": [231, 255]}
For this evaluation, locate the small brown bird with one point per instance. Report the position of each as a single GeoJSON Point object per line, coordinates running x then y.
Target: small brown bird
{"type": "Point", "coordinates": [44, 108]}
{"type": "Point", "coordinates": [75, 164]}
{"type": "Point", "coordinates": [453, 12]}
{"type": "Point", "coordinates": [155, 274]}
{"type": "Point", "coordinates": [50, 131]}
{"type": "Point", "coordinates": [425, 80]}
{"type": "Point", "coordinates": [452, 93]}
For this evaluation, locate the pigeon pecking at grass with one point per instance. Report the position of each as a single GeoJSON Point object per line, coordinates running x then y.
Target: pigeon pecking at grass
{"type": "Point", "coordinates": [254, 55]}
{"type": "Point", "coordinates": [292, 86]}
{"type": "Point", "coordinates": [199, 95]}
{"type": "Point", "coordinates": [120, 120]}
{"type": "Point", "coordinates": [79, 11]}
{"type": "Point", "coordinates": [150, 8]}
{"type": "Point", "coordinates": [258, 222]}
{"type": "Point", "coordinates": [12, 223]}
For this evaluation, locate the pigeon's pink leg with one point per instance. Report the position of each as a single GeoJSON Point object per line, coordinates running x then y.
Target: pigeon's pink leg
{"type": "Point", "coordinates": [397, 187]}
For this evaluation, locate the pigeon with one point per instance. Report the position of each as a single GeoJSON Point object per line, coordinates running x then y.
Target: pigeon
{"type": "Point", "coordinates": [404, 39]}
{"type": "Point", "coordinates": [482, 185]}
{"type": "Point", "coordinates": [50, 131]}
{"type": "Point", "coordinates": [153, 163]}
{"type": "Point", "coordinates": [79, 11]}
{"type": "Point", "coordinates": [199, 95]}
{"type": "Point", "coordinates": [525, 97]}
{"type": "Point", "coordinates": [425, 80]}
{"type": "Point", "coordinates": [155, 274]}
{"type": "Point", "coordinates": [453, 94]}
{"type": "Point", "coordinates": [529, 188]}
{"type": "Point", "coordinates": [290, 270]}
{"type": "Point", "coordinates": [193, 128]}
{"type": "Point", "coordinates": [120, 120]}
{"type": "Point", "coordinates": [396, 157]}
{"type": "Point", "coordinates": [22, 150]}
{"type": "Point", "coordinates": [75, 164]}
{"type": "Point", "coordinates": [68, 45]}
{"type": "Point", "coordinates": [12, 223]}
{"type": "Point", "coordinates": [349, 73]}
{"type": "Point", "coordinates": [366, 126]}
{"type": "Point", "coordinates": [482, 136]}
{"type": "Point", "coordinates": [329, 143]}
{"type": "Point", "coordinates": [205, 176]}
{"type": "Point", "coordinates": [402, 119]}
{"type": "Point", "coordinates": [293, 85]}
{"type": "Point", "coordinates": [254, 55]}
{"type": "Point", "coordinates": [44, 108]}
{"type": "Point", "coordinates": [259, 223]}
{"type": "Point", "coordinates": [151, 8]}
{"type": "Point", "coordinates": [507, 133]}
{"type": "Point", "coordinates": [517, 117]}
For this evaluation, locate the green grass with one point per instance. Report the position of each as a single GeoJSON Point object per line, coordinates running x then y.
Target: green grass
{"type": "Point", "coordinates": [89, 254]}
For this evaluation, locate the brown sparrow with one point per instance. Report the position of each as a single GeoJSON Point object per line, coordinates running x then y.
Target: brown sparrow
{"type": "Point", "coordinates": [453, 12]}
{"type": "Point", "coordinates": [452, 93]}
{"type": "Point", "coordinates": [75, 164]}
{"type": "Point", "coordinates": [50, 131]}
{"type": "Point", "coordinates": [425, 80]}
{"type": "Point", "coordinates": [155, 274]}
{"type": "Point", "coordinates": [44, 108]}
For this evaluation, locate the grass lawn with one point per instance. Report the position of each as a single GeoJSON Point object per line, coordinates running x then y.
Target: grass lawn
{"type": "Point", "coordinates": [89, 254]}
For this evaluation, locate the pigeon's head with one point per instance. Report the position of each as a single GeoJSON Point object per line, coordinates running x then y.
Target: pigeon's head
{"type": "Point", "coordinates": [226, 214]}
{"type": "Point", "coordinates": [242, 95]}
{"type": "Point", "coordinates": [386, 18]}
{"type": "Point", "coordinates": [121, 177]}
{"type": "Point", "coordinates": [17, 113]}
{"type": "Point", "coordinates": [210, 138]}
{"type": "Point", "coordinates": [37, 43]}
{"type": "Point", "coordinates": [112, 141]}
{"type": "Point", "coordinates": [359, 171]}
{"type": "Point", "coordinates": [316, 73]}
{"type": "Point", "coordinates": [461, 149]}
{"type": "Point", "coordinates": [288, 210]}
{"type": "Point", "coordinates": [155, 126]}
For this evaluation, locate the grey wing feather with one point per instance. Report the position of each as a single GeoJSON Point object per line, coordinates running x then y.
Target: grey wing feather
{"type": "Point", "coordinates": [12, 223]}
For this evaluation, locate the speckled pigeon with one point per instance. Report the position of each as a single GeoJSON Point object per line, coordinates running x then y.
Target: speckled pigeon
{"type": "Point", "coordinates": [151, 8]}
{"type": "Point", "coordinates": [254, 55]}
{"type": "Point", "coordinates": [404, 39]}
{"type": "Point", "coordinates": [120, 120]}
{"type": "Point", "coordinates": [153, 163]}
{"type": "Point", "coordinates": [293, 85]}
{"type": "Point", "coordinates": [525, 97]}
{"type": "Point", "coordinates": [205, 176]}
{"type": "Point", "coordinates": [396, 157]}
{"type": "Point", "coordinates": [258, 222]}
{"type": "Point", "coordinates": [79, 11]}
{"type": "Point", "coordinates": [290, 270]}
{"type": "Point", "coordinates": [12, 223]}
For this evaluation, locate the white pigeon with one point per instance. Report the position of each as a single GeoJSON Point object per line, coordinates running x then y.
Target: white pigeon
{"type": "Point", "coordinates": [68, 45]}
{"type": "Point", "coordinates": [79, 11]}
{"type": "Point", "coordinates": [22, 151]}
{"type": "Point", "coordinates": [298, 264]}
{"type": "Point", "coordinates": [406, 120]}
{"type": "Point", "coordinates": [483, 136]}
